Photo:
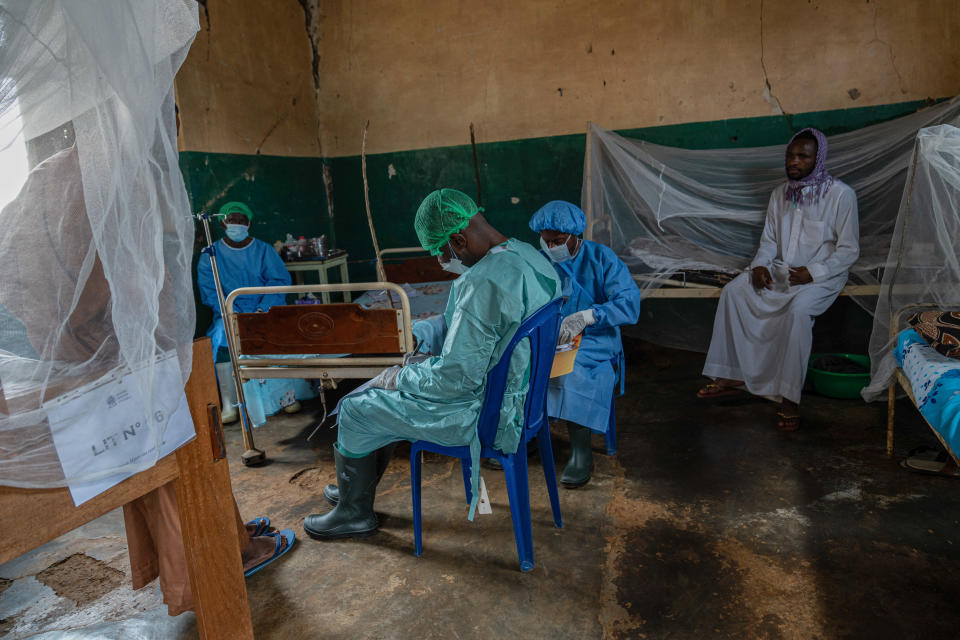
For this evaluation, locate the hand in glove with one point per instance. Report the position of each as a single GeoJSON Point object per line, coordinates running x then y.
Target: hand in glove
{"type": "Point", "coordinates": [413, 358]}
{"type": "Point", "coordinates": [387, 379]}
{"type": "Point", "coordinates": [430, 333]}
{"type": "Point", "coordinates": [421, 330]}
{"type": "Point", "coordinates": [574, 324]}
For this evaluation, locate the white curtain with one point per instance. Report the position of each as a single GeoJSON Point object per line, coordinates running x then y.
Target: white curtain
{"type": "Point", "coordinates": [924, 257]}
{"type": "Point", "coordinates": [96, 246]}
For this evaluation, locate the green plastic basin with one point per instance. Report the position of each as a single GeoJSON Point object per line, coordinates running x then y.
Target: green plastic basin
{"type": "Point", "coordinates": [839, 385]}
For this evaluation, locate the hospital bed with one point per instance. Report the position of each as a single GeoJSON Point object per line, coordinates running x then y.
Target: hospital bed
{"type": "Point", "coordinates": [681, 288]}
{"type": "Point", "coordinates": [333, 341]}
{"type": "Point", "coordinates": [949, 405]}
{"type": "Point", "coordinates": [330, 341]}
{"type": "Point", "coordinates": [205, 501]}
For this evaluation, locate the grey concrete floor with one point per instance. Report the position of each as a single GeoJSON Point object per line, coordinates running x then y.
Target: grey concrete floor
{"type": "Point", "coordinates": [708, 523]}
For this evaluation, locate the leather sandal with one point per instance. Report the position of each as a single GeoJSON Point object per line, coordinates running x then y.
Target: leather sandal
{"type": "Point", "coordinates": [787, 422]}
{"type": "Point", "coordinates": [713, 391]}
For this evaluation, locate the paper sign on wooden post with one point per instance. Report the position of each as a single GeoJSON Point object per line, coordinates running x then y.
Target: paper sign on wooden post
{"type": "Point", "coordinates": [108, 426]}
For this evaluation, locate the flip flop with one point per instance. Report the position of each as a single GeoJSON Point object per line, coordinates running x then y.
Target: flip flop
{"type": "Point", "coordinates": [786, 422]}
{"type": "Point", "coordinates": [927, 464]}
{"type": "Point", "coordinates": [926, 453]}
{"type": "Point", "coordinates": [286, 534]}
{"type": "Point", "coordinates": [262, 524]}
{"type": "Point", "coordinates": [713, 391]}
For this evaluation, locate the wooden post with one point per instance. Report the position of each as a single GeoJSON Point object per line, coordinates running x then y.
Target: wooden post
{"type": "Point", "coordinates": [476, 166]}
{"type": "Point", "coordinates": [208, 518]}
{"type": "Point", "coordinates": [205, 502]}
{"type": "Point", "coordinates": [366, 198]}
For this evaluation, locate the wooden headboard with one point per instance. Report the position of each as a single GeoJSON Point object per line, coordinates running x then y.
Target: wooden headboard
{"type": "Point", "coordinates": [345, 340]}
{"type": "Point", "coordinates": [321, 329]}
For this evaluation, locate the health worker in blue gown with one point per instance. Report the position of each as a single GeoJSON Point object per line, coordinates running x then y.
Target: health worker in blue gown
{"type": "Point", "coordinates": [244, 261]}
{"type": "Point", "coordinates": [600, 296]}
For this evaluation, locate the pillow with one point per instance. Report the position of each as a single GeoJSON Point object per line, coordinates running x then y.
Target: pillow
{"type": "Point", "coordinates": [941, 329]}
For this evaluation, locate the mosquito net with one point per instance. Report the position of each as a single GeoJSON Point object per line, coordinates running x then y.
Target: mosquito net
{"type": "Point", "coordinates": [666, 210]}
{"type": "Point", "coordinates": [95, 285]}
{"type": "Point", "coordinates": [925, 250]}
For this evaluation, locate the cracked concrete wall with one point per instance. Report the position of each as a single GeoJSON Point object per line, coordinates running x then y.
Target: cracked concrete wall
{"type": "Point", "coordinates": [247, 86]}
{"type": "Point", "coordinates": [422, 71]}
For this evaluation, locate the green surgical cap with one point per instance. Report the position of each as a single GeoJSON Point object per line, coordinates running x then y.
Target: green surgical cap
{"type": "Point", "coordinates": [235, 207]}
{"type": "Point", "coordinates": [442, 214]}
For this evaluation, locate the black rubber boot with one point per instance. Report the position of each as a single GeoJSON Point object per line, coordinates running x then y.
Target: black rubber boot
{"type": "Point", "coordinates": [332, 493]}
{"type": "Point", "coordinates": [578, 469]}
{"type": "Point", "coordinates": [353, 517]}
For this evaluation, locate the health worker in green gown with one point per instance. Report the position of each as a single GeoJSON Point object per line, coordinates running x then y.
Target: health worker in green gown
{"type": "Point", "coordinates": [438, 398]}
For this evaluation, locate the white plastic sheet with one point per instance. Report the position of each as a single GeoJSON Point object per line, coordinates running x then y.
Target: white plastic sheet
{"type": "Point", "coordinates": [664, 209]}
{"type": "Point", "coordinates": [95, 252]}
{"type": "Point", "coordinates": [925, 250]}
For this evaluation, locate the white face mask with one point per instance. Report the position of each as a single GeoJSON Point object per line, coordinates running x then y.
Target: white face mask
{"type": "Point", "coordinates": [454, 265]}
{"type": "Point", "coordinates": [559, 253]}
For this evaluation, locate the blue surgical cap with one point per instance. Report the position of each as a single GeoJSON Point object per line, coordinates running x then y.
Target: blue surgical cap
{"type": "Point", "coordinates": [561, 216]}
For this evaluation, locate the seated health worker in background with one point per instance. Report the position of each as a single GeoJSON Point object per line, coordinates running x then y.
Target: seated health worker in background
{"type": "Point", "coordinates": [244, 261]}
{"type": "Point", "coordinates": [600, 296]}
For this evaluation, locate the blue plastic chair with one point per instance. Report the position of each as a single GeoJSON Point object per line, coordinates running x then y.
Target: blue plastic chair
{"type": "Point", "coordinates": [618, 390]}
{"type": "Point", "coordinates": [611, 434]}
{"type": "Point", "coordinates": [542, 329]}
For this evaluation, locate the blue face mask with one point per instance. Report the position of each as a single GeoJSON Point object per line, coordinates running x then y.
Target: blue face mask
{"type": "Point", "coordinates": [559, 253]}
{"type": "Point", "coordinates": [237, 232]}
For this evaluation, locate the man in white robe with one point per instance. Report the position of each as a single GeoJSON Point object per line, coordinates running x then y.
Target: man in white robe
{"type": "Point", "coordinates": [763, 330]}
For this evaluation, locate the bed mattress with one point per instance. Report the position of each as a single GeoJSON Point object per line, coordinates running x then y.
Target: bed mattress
{"type": "Point", "coordinates": [935, 380]}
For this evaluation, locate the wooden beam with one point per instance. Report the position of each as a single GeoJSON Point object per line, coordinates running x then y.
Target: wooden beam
{"type": "Point", "coordinates": [208, 518]}
{"type": "Point", "coordinates": [49, 513]}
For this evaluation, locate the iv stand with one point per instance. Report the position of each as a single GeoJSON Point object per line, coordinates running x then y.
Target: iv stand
{"type": "Point", "coordinates": [252, 456]}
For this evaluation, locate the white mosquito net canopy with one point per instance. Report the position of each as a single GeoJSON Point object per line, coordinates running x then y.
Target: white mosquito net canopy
{"type": "Point", "coordinates": [666, 210]}
{"type": "Point", "coordinates": [96, 241]}
{"type": "Point", "coordinates": [925, 250]}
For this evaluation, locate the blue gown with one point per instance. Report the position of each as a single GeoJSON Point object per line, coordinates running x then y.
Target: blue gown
{"type": "Point", "coordinates": [595, 279]}
{"type": "Point", "coordinates": [255, 265]}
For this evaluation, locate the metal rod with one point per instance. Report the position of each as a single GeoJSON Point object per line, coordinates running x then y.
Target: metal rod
{"type": "Point", "coordinates": [252, 456]}
{"type": "Point", "coordinates": [384, 252]}
{"type": "Point", "coordinates": [323, 401]}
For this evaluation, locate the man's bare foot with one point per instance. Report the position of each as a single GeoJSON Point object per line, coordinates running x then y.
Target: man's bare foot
{"type": "Point", "coordinates": [260, 549]}
{"type": "Point", "coordinates": [258, 526]}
